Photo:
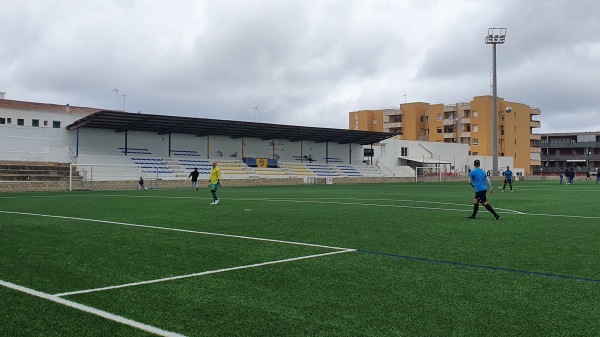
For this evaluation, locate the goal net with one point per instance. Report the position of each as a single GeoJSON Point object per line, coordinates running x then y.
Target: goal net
{"type": "Point", "coordinates": [429, 173]}
{"type": "Point", "coordinates": [89, 176]}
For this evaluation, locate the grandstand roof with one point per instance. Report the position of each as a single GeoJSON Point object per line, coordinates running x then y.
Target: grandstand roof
{"type": "Point", "coordinates": [123, 121]}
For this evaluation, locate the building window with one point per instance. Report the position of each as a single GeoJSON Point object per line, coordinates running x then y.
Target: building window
{"type": "Point", "coordinates": [502, 117]}
{"type": "Point", "coordinates": [35, 122]}
{"type": "Point", "coordinates": [439, 117]}
{"type": "Point", "coordinates": [475, 141]}
{"type": "Point", "coordinates": [439, 130]}
{"type": "Point", "coordinates": [45, 123]}
{"type": "Point", "coordinates": [398, 119]}
{"type": "Point", "coordinates": [374, 122]}
{"type": "Point", "coordinates": [404, 151]}
{"type": "Point", "coordinates": [475, 113]}
{"type": "Point", "coordinates": [2, 120]}
{"type": "Point", "coordinates": [475, 128]}
{"type": "Point", "coordinates": [421, 118]}
{"type": "Point", "coordinates": [9, 120]}
{"type": "Point", "coordinates": [20, 121]}
{"type": "Point", "coordinates": [475, 153]}
{"type": "Point", "coordinates": [56, 124]}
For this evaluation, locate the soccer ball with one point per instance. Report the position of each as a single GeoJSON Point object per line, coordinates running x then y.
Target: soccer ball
{"type": "Point", "coordinates": [508, 109]}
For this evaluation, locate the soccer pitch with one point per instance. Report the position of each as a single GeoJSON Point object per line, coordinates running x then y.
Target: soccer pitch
{"type": "Point", "coordinates": [319, 260]}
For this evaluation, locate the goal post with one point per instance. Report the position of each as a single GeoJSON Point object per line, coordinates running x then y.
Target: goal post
{"type": "Point", "coordinates": [87, 174]}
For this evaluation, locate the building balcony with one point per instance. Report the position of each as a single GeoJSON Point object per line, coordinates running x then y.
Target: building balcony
{"type": "Point", "coordinates": [392, 125]}
{"type": "Point", "coordinates": [535, 111]}
{"type": "Point", "coordinates": [535, 124]}
{"type": "Point", "coordinates": [565, 157]}
{"type": "Point", "coordinates": [535, 162]}
{"type": "Point", "coordinates": [535, 149]}
{"type": "Point", "coordinates": [535, 137]}
{"type": "Point", "coordinates": [570, 145]}
{"type": "Point", "coordinates": [449, 135]}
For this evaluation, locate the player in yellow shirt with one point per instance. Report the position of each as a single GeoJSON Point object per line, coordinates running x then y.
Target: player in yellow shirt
{"type": "Point", "coordinates": [215, 182]}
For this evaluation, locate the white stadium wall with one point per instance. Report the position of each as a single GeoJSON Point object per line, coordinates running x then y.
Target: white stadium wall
{"type": "Point", "coordinates": [35, 143]}
{"type": "Point", "coordinates": [223, 147]}
{"type": "Point", "coordinates": [185, 142]}
{"type": "Point", "coordinates": [257, 148]}
{"type": "Point", "coordinates": [389, 153]}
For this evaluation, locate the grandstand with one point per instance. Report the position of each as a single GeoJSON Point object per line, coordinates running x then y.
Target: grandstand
{"type": "Point", "coordinates": [113, 146]}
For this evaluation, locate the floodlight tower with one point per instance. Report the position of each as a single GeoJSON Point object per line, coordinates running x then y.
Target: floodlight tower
{"type": "Point", "coordinates": [495, 36]}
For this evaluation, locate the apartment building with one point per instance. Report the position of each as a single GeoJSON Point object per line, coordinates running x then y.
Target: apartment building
{"type": "Point", "coordinates": [463, 123]}
{"type": "Point", "coordinates": [578, 150]}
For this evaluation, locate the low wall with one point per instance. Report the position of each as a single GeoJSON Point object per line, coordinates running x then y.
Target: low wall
{"type": "Point", "coordinates": [56, 186]}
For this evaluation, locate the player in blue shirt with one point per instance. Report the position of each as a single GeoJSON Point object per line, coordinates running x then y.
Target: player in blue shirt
{"type": "Point", "coordinates": [507, 178]}
{"type": "Point", "coordinates": [480, 181]}
{"type": "Point", "coordinates": [561, 175]}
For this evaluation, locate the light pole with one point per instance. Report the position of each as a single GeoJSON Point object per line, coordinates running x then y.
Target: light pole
{"type": "Point", "coordinates": [495, 36]}
{"type": "Point", "coordinates": [124, 94]}
{"type": "Point", "coordinates": [117, 92]}
{"type": "Point", "coordinates": [255, 114]}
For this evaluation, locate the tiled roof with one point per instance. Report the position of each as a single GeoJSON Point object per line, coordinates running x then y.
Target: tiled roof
{"type": "Point", "coordinates": [31, 106]}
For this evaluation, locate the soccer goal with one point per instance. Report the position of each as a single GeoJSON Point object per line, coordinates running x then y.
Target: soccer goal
{"type": "Point", "coordinates": [86, 176]}
{"type": "Point", "coordinates": [428, 173]}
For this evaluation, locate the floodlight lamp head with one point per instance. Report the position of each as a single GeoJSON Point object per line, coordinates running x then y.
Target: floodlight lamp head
{"type": "Point", "coordinates": [495, 36]}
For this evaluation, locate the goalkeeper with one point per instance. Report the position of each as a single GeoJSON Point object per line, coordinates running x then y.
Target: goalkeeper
{"type": "Point", "coordinates": [215, 182]}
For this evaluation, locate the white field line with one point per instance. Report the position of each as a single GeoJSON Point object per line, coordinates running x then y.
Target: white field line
{"type": "Point", "coordinates": [93, 311]}
{"type": "Point", "coordinates": [177, 230]}
{"type": "Point", "coordinates": [203, 273]}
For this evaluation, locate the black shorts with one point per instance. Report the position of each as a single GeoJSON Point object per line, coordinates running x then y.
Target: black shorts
{"type": "Point", "coordinates": [481, 196]}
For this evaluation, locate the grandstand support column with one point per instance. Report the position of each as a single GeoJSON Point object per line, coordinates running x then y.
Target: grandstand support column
{"type": "Point", "coordinates": [77, 142]}
{"type": "Point", "coordinates": [208, 146]}
{"type": "Point", "coordinates": [350, 153]}
{"type": "Point", "coordinates": [126, 142]}
{"type": "Point", "coordinates": [243, 148]}
{"type": "Point", "coordinates": [273, 148]}
{"type": "Point", "coordinates": [169, 145]}
{"type": "Point", "coordinates": [326, 152]}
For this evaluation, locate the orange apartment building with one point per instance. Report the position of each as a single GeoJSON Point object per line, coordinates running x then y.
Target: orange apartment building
{"type": "Point", "coordinates": [464, 123]}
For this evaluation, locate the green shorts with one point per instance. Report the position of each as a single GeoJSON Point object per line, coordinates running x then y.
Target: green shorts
{"type": "Point", "coordinates": [213, 187]}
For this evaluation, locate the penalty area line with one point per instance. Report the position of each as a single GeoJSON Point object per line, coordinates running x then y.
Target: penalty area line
{"type": "Point", "coordinates": [177, 230]}
{"type": "Point", "coordinates": [203, 273]}
{"type": "Point", "coordinates": [93, 311]}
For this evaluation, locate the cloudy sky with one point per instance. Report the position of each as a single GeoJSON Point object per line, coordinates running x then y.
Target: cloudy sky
{"type": "Point", "coordinates": [301, 62]}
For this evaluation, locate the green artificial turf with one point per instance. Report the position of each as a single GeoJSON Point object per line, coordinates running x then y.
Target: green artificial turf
{"type": "Point", "coordinates": [318, 260]}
